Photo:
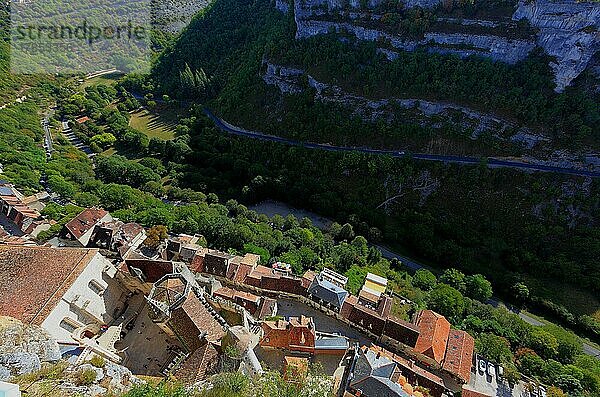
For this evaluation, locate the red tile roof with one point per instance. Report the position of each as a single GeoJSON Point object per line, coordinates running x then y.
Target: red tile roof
{"type": "Point", "coordinates": [466, 392]}
{"type": "Point", "coordinates": [308, 278]}
{"type": "Point", "coordinates": [434, 330]}
{"type": "Point", "coordinates": [459, 354]}
{"type": "Point", "coordinates": [34, 279]}
{"type": "Point", "coordinates": [197, 264]}
{"type": "Point", "coordinates": [242, 271]}
{"type": "Point", "coordinates": [86, 220]}
{"type": "Point", "coordinates": [199, 364]}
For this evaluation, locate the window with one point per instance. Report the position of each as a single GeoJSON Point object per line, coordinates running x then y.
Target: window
{"type": "Point", "coordinates": [69, 324]}
{"type": "Point", "coordinates": [96, 287]}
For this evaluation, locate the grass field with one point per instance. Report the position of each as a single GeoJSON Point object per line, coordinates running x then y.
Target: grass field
{"type": "Point", "coordinates": [160, 125]}
{"type": "Point", "coordinates": [576, 300]}
{"type": "Point", "coordinates": [108, 79]}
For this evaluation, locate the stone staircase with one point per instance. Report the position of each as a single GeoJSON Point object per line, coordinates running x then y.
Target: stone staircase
{"type": "Point", "coordinates": [70, 135]}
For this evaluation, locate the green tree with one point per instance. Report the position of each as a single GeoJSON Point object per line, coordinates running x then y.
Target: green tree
{"type": "Point", "coordinates": [477, 287]}
{"type": "Point", "coordinates": [454, 278]}
{"type": "Point", "coordinates": [104, 140]}
{"type": "Point", "coordinates": [86, 199]}
{"type": "Point", "coordinates": [424, 279]}
{"type": "Point", "coordinates": [447, 301]}
{"type": "Point", "coordinates": [544, 343]}
{"type": "Point", "coordinates": [511, 373]}
{"type": "Point", "coordinates": [61, 186]}
{"type": "Point", "coordinates": [346, 232]}
{"type": "Point", "coordinates": [493, 347]}
{"type": "Point", "coordinates": [530, 363]}
{"type": "Point", "coordinates": [520, 291]}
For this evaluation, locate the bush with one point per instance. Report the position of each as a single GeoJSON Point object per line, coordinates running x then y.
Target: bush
{"type": "Point", "coordinates": [98, 362]}
{"type": "Point", "coordinates": [85, 377]}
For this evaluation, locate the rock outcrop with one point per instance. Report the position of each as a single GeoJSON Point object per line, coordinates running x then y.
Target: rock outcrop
{"type": "Point", "coordinates": [174, 15]}
{"type": "Point", "coordinates": [425, 113]}
{"type": "Point", "coordinates": [24, 347]}
{"type": "Point", "coordinates": [310, 17]}
{"type": "Point", "coordinates": [569, 31]}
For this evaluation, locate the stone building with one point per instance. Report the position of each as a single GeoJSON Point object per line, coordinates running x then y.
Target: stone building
{"type": "Point", "coordinates": [70, 292]}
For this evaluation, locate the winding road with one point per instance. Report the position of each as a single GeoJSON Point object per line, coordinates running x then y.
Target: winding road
{"type": "Point", "coordinates": [492, 162]}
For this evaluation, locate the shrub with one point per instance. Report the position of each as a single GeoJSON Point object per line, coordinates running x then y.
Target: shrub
{"type": "Point", "coordinates": [85, 377]}
{"type": "Point", "coordinates": [98, 362]}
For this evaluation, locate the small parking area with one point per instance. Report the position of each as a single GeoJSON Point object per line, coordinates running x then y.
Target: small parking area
{"type": "Point", "coordinates": [485, 379]}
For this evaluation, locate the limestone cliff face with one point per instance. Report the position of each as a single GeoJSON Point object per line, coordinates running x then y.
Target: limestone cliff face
{"type": "Point", "coordinates": [425, 113]}
{"type": "Point", "coordinates": [497, 48]}
{"type": "Point", "coordinates": [463, 45]}
{"type": "Point", "coordinates": [568, 31]}
{"type": "Point", "coordinates": [174, 15]}
{"type": "Point", "coordinates": [24, 347]}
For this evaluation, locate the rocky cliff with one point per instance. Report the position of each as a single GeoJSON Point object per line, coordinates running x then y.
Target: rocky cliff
{"type": "Point", "coordinates": [426, 113]}
{"type": "Point", "coordinates": [567, 30]}
{"type": "Point", "coordinates": [23, 348]}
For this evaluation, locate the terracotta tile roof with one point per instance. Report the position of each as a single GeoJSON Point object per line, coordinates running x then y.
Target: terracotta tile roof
{"type": "Point", "coordinates": [86, 220]}
{"type": "Point", "coordinates": [434, 330]}
{"type": "Point", "coordinates": [459, 354]}
{"type": "Point", "coordinates": [352, 299]}
{"type": "Point", "coordinates": [202, 318]}
{"type": "Point", "coordinates": [197, 264]}
{"type": "Point", "coordinates": [247, 259]}
{"type": "Point", "coordinates": [294, 368]}
{"type": "Point", "coordinates": [266, 308]}
{"type": "Point", "coordinates": [132, 230]}
{"type": "Point", "coordinates": [261, 270]}
{"type": "Point", "coordinates": [232, 270]}
{"type": "Point", "coordinates": [225, 293]}
{"type": "Point", "coordinates": [242, 271]}
{"type": "Point", "coordinates": [467, 392]}
{"type": "Point", "coordinates": [34, 279]}
{"type": "Point", "coordinates": [307, 278]}
{"type": "Point", "coordinates": [198, 365]}
{"type": "Point", "coordinates": [366, 295]}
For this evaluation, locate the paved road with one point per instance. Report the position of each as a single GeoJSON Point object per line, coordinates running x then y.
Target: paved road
{"type": "Point", "coordinates": [591, 350]}
{"type": "Point", "coordinates": [491, 161]}
{"type": "Point", "coordinates": [47, 135]}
